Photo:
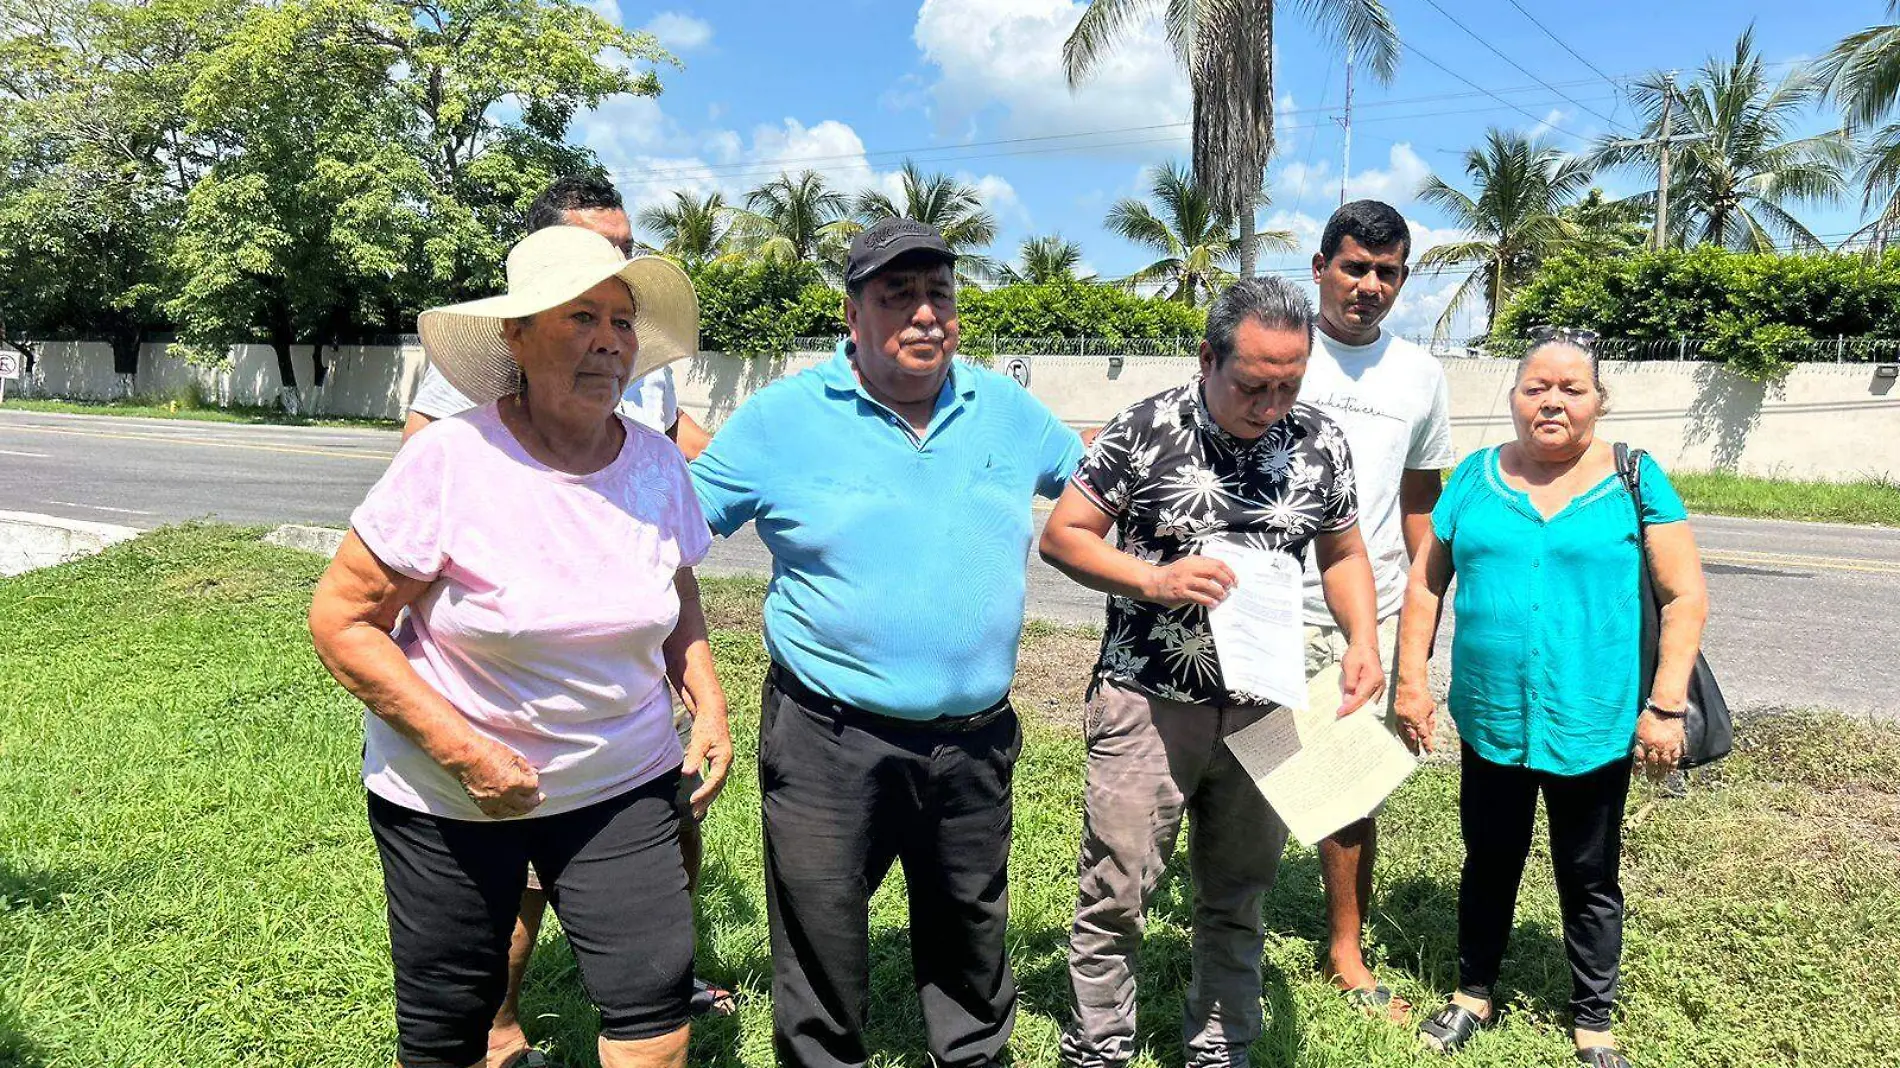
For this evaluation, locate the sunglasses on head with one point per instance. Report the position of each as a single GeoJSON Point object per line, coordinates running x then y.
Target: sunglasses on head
{"type": "Point", "coordinates": [1583, 339]}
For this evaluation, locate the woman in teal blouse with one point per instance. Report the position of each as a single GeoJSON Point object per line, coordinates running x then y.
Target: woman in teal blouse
{"type": "Point", "coordinates": [1545, 676]}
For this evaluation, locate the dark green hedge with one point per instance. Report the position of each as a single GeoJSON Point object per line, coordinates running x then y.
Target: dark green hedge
{"type": "Point", "coordinates": [1074, 310]}
{"type": "Point", "coordinates": [1751, 310]}
{"type": "Point", "coordinates": [759, 309]}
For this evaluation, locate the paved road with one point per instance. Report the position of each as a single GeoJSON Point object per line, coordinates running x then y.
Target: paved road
{"type": "Point", "coordinates": [1805, 614]}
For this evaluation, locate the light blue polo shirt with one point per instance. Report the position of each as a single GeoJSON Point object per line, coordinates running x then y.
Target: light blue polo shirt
{"type": "Point", "coordinates": [898, 564]}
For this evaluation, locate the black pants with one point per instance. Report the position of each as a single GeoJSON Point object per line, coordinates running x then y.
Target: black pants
{"type": "Point", "coordinates": [844, 797]}
{"type": "Point", "coordinates": [1496, 807]}
{"type": "Point", "coordinates": [613, 875]}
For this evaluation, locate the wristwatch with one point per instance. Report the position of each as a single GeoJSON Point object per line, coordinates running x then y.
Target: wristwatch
{"type": "Point", "coordinates": [1666, 713]}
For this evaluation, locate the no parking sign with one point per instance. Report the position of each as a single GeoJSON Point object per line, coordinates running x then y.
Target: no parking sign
{"type": "Point", "coordinates": [1017, 367]}
{"type": "Point", "coordinates": [9, 367]}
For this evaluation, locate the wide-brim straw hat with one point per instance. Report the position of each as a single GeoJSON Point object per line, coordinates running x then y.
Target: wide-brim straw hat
{"type": "Point", "coordinates": [547, 269]}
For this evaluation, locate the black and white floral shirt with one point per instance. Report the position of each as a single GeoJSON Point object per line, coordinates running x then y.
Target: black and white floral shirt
{"type": "Point", "coordinates": [1173, 479]}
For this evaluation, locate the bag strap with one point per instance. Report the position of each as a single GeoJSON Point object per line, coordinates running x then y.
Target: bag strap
{"type": "Point", "coordinates": [1629, 467]}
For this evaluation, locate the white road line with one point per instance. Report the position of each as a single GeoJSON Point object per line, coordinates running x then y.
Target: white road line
{"type": "Point", "coordinates": [100, 508]}
{"type": "Point", "coordinates": [28, 455]}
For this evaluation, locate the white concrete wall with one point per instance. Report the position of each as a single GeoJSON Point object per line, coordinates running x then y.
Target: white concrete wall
{"type": "Point", "coordinates": [1822, 421]}
{"type": "Point", "coordinates": [369, 381]}
{"type": "Point", "coordinates": [1836, 421]}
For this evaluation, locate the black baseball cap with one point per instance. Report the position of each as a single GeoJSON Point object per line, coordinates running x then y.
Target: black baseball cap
{"type": "Point", "coordinates": [883, 242]}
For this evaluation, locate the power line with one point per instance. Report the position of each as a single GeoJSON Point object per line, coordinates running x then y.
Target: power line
{"type": "Point", "coordinates": [771, 168]}
{"type": "Point", "coordinates": [707, 171]}
{"type": "Point", "coordinates": [1414, 49]}
{"type": "Point", "coordinates": [1306, 167]}
{"type": "Point", "coordinates": [1473, 34]}
{"type": "Point", "coordinates": [1614, 84]}
{"type": "Point", "coordinates": [751, 165]}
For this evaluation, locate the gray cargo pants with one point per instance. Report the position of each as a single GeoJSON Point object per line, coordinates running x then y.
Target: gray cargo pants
{"type": "Point", "coordinates": [1150, 762]}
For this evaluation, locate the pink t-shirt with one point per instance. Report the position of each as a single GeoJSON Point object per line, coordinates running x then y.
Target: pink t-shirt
{"type": "Point", "coordinates": [551, 595]}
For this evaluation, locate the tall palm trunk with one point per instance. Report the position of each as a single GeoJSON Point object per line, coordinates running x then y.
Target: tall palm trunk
{"type": "Point", "coordinates": [1232, 79]}
{"type": "Point", "coordinates": [1249, 244]}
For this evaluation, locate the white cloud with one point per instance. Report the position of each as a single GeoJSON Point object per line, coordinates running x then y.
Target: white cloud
{"type": "Point", "coordinates": [1549, 125]}
{"type": "Point", "coordinates": [677, 32]}
{"type": "Point", "coordinates": [1003, 58]}
{"type": "Point", "coordinates": [650, 156]}
{"type": "Point", "coordinates": [606, 9]}
{"type": "Point", "coordinates": [1396, 183]}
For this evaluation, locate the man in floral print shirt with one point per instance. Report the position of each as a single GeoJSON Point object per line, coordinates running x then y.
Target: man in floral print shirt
{"type": "Point", "coordinates": [1231, 455]}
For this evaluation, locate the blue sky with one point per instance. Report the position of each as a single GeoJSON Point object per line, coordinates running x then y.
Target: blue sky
{"type": "Point", "coordinates": [974, 87]}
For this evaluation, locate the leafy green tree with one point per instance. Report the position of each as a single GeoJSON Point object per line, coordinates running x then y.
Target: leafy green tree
{"type": "Point", "coordinates": [381, 156]}
{"type": "Point", "coordinates": [1515, 218]}
{"type": "Point", "coordinates": [1227, 49]}
{"type": "Point", "coordinates": [1605, 227]}
{"type": "Point", "coordinates": [693, 230]}
{"type": "Point", "coordinates": [1197, 242]}
{"type": "Point", "coordinates": [787, 219]}
{"type": "Point", "coordinates": [1862, 73]}
{"type": "Point", "coordinates": [1045, 261]}
{"type": "Point", "coordinates": [1737, 187]}
{"type": "Point", "coordinates": [95, 161]}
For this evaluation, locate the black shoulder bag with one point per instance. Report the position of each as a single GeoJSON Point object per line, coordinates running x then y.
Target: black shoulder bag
{"type": "Point", "coordinates": [1708, 732]}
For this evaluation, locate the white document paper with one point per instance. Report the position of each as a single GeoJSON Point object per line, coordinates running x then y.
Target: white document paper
{"type": "Point", "coordinates": [1319, 772]}
{"type": "Point", "coordinates": [1258, 630]}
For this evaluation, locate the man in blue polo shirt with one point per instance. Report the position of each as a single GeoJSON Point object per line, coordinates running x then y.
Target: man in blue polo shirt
{"type": "Point", "coordinates": [892, 486]}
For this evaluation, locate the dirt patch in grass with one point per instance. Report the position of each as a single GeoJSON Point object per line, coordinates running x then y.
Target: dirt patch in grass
{"type": "Point", "coordinates": [732, 603]}
{"type": "Point", "coordinates": [1052, 672]}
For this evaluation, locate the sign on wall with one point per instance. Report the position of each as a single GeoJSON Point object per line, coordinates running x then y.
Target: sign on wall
{"type": "Point", "coordinates": [1017, 367]}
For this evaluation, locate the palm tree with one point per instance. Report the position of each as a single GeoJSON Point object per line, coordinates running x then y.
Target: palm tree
{"type": "Point", "coordinates": [1606, 227]}
{"type": "Point", "coordinates": [1862, 73]}
{"type": "Point", "coordinates": [690, 230]}
{"type": "Point", "coordinates": [953, 207]}
{"type": "Point", "coordinates": [1515, 219]}
{"type": "Point", "coordinates": [786, 219]}
{"type": "Point", "coordinates": [1045, 261]}
{"type": "Point", "coordinates": [1197, 242]}
{"type": "Point", "coordinates": [1735, 188]}
{"type": "Point", "coordinates": [1226, 47]}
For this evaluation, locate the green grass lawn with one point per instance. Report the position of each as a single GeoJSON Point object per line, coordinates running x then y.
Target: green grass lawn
{"type": "Point", "coordinates": [186, 878]}
{"type": "Point", "coordinates": [152, 408]}
{"type": "Point", "coordinates": [1874, 501]}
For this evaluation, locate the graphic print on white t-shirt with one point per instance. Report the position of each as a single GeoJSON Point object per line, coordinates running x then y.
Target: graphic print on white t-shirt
{"type": "Point", "coordinates": [1390, 399]}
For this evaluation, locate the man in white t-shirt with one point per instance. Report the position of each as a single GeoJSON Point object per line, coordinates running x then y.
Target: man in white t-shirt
{"type": "Point", "coordinates": [650, 401]}
{"type": "Point", "coordinates": [1390, 397]}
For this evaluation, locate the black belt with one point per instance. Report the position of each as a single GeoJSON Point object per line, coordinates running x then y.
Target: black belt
{"type": "Point", "coordinates": [781, 679]}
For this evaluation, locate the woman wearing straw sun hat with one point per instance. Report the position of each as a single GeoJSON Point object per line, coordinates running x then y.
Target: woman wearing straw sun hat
{"type": "Point", "coordinates": [520, 712]}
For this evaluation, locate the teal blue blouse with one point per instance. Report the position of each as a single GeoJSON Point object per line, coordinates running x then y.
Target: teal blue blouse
{"type": "Point", "coordinates": [1544, 656]}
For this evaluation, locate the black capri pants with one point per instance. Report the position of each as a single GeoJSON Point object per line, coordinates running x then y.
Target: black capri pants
{"type": "Point", "coordinates": [613, 876]}
{"type": "Point", "coordinates": [1497, 806]}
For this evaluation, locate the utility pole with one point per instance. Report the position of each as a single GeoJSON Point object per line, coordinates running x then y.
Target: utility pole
{"type": "Point", "coordinates": [1345, 172]}
{"type": "Point", "coordinates": [1662, 170]}
{"type": "Point", "coordinates": [1662, 143]}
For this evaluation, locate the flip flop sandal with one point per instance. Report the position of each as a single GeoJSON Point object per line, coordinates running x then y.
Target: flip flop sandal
{"type": "Point", "coordinates": [527, 1058]}
{"type": "Point", "coordinates": [1374, 1001]}
{"type": "Point", "coordinates": [1603, 1057]}
{"type": "Point", "coordinates": [1452, 1026]}
{"type": "Point", "coordinates": [709, 1000]}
